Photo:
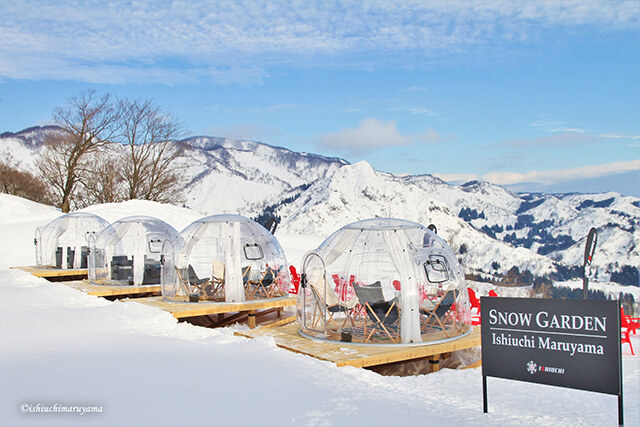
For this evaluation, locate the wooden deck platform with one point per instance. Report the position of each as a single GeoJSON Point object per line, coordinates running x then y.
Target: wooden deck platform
{"type": "Point", "coordinates": [343, 354]}
{"type": "Point", "coordinates": [54, 274]}
{"type": "Point", "coordinates": [182, 310]}
{"type": "Point", "coordinates": [114, 291]}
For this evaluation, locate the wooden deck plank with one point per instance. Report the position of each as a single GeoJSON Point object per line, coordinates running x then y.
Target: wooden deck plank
{"type": "Point", "coordinates": [112, 291]}
{"type": "Point", "coordinates": [343, 354]}
{"type": "Point", "coordinates": [51, 272]}
{"type": "Point", "coordinates": [181, 310]}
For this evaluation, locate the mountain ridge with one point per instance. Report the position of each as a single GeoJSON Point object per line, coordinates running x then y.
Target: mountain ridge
{"type": "Point", "coordinates": [492, 228]}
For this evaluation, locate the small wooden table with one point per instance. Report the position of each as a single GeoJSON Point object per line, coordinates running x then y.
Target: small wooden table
{"type": "Point", "coordinates": [181, 310]}
{"type": "Point", "coordinates": [53, 274]}
{"type": "Point", "coordinates": [114, 291]}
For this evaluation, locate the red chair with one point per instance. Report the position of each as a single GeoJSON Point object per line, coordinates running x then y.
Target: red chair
{"type": "Point", "coordinates": [295, 280]}
{"type": "Point", "coordinates": [344, 289]}
{"type": "Point", "coordinates": [629, 322]}
{"type": "Point", "coordinates": [396, 284]}
{"type": "Point", "coordinates": [340, 288]}
{"type": "Point", "coordinates": [475, 304]}
{"type": "Point", "coordinates": [626, 327]}
{"type": "Point", "coordinates": [492, 293]}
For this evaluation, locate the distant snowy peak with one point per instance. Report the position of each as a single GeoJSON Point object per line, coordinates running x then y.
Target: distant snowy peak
{"type": "Point", "coordinates": [358, 191]}
{"type": "Point", "coordinates": [245, 177]}
{"type": "Point", "coordinates": [208, 143]}
{"type": "Point", "coordinates": [556, 225]}
{"type": "Point", "coordinates": [33, 137]}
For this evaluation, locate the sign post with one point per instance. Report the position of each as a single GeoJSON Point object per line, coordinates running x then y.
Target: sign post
{"type": "Point", "coordinates": [566, 343]}
{"type": "Point", "coordinates": [589, 249]}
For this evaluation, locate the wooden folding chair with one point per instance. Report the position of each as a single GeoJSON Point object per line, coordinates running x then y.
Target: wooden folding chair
{"type": "Point", "coordinates": [183, 290]}
{"type": "Point", "coordinates": [262, 287]}
{"type": "Point", "coordinates": [383, 314]}
{"type": "Point", "coordinates": [332, 304]}
{"type": "Point", "coordinates": [440, 311]}
{"type": "Point", "coordinates": [211, 288]}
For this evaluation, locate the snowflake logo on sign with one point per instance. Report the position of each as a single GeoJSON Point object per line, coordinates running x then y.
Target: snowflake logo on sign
{"type": "Point", "coordinates": [532, 367]}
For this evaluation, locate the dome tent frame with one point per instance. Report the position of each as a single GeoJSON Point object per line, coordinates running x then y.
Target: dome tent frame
{"type": "Point", "coordinates": [383, 281]}
{"type": "Point", "coordinates": [224, 259]}
{"type": "Point", "coordinates": [129, 252]}
{"type": "Point", "coordinates": [63, 243]}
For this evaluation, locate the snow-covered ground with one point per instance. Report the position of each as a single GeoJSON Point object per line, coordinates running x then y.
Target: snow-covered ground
{"type": "Point", "coordinates": [139, 366]}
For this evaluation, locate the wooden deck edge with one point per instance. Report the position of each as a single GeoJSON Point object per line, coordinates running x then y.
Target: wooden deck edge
{"type": "Point", "coordinates": [474, 365]}
{"type": "Point", "coordinates": [181, 310]}
{"type": "Point", "coordinates": [402, 355]}
{"type": "Point", "coordinates": [288, 339]}
{"type": "Point", "coordinates": [279, 322]}
{"type": "Point", "coordinates": [112, 291]}
{"type": "Point", "coordinates": [53, 274]}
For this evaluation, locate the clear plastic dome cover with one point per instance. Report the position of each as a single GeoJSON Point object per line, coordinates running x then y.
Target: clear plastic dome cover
{"type": "Point", "coordinates": [63, 243]}
{"type": "Point", "coordinates": [383, 281]}
{"type": "Point", "coordinates": [224, 258]}
{"type": "Point", "coordinates": [129, 251]}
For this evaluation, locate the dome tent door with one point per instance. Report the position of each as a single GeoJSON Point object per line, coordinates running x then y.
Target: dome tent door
{"type": "Point", "coordinates": [314, 293]}
{"type": "Point", "coordinates": [168, 270]}
{"type": "Point", "coordinates": [37, 241]}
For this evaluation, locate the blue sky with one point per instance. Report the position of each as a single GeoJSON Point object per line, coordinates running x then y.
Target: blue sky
{"type": "Point", "coordinates": [537, 96]}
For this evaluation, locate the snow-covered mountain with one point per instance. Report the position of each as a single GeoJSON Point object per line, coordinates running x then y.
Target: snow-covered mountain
{"type": "Point", "coordinates": [23, 147]}
{"type": "Point", "coordinates": [358, 191]}
{"type": "Point", "coordinates": [229, 176]}
{"type": "Point", "coordinates": [221, 175]}
{"type": "Point", "coordinates": [491, 228]}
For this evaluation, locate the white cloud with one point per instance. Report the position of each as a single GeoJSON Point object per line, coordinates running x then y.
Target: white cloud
{"type": "Point", "coordinates": [418, 111]}
{"type": "Point", "coordinates": [373, 133]}
{"type": "Point", "coordinates": [562, 134]}
{"type": "Point", "coordinates": [58, 39]}
{"type": "Point", "coordinates": [370, 133]}
{"type": "Point", "coordinates": [618, 136]}
{"type": "Point", "coordinates": [574, 130]}
{"type": "Point", "coordinates": [558, 139]}
{"type": "Point", "coordinates": [562, 175]}
{"type": "Point", "coordinates": [549, 177]}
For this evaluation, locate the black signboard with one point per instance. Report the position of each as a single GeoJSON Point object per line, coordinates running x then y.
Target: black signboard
{"type": "Point", "coordinates": [567, 343]}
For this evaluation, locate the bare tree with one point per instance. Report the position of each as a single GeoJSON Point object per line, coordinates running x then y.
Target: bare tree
{"type": "Point", "coordinates": [150, 166]}
{"type": "Point", "coordinates": [89, 122]}
{"type": "Point", "coordinates": [104, 182]}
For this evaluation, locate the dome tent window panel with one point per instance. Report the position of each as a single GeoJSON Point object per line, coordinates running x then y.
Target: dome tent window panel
{"type": "Point", "coordinates": [437, 269]}
{"type": "Point", "coordinates": [383, 261]}
{"type": "Point", "coordinates": [253, 252]}
{"type": "Point", "coordinates": [155, 244]}
{"type": "Point", "coordinates": [227, 258]}
{"type": "Point", "coordinates": [129, 252]}
{"type": "Point", "coordinates": [63, 243]}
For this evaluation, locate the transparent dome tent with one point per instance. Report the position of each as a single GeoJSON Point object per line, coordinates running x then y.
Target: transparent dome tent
{"type": "Point", "coordinates": [129, 251]}
{"type": "Point", "coordinates": [63, 243]}
{"type": "Point", "coordinates": [383, 281]}
{"type": "Point", "coordinates": [224, 259]}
